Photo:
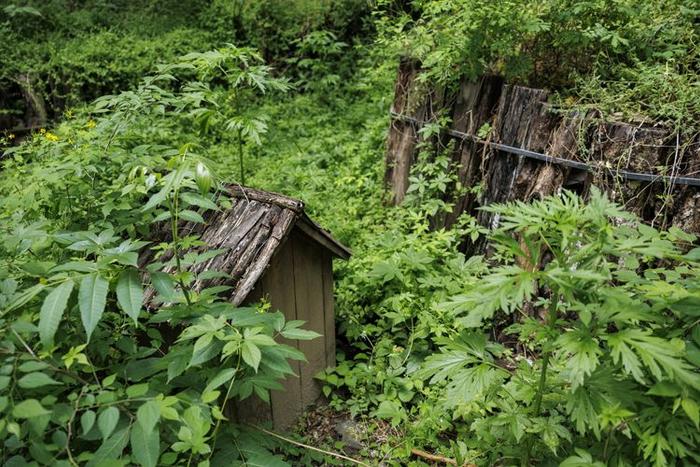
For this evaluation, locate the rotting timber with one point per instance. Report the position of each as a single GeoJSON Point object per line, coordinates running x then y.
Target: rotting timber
{"type": "Point", "coordinates": [597, 152]}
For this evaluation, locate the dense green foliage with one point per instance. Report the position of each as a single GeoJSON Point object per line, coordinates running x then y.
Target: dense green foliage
{"type": "Point", "coordinates": [637, 58]}
{"type": "Point", "coordinates": [575, 342]}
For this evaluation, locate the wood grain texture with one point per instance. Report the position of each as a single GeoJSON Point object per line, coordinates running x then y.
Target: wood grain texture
{"type": "Point", "coordinates": [278, 286]}
{"type": "Point", "coordinates": [249, 233]}
{"type": "Point", "coordinates": [329, 309]}
{"type": "Point", "coordinates": [523, 118]}
{"type": "Point", "coordinates": [308, 284]}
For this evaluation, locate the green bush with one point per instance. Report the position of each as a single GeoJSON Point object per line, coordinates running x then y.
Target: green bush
{"type": "Point", "coordinates": [88, 375]}
{"type": "Point", "coordinates": [619, 45]}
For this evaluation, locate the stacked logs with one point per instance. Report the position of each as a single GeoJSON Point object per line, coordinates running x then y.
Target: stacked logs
{"type": "Point", "coordinates": [521, 117]}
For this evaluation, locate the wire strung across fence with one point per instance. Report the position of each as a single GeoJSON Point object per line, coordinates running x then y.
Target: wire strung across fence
{"type": "Point", "coordinates": [624, 174]}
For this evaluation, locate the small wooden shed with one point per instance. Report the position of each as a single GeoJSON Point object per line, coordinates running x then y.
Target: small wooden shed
{"type": "Point", "coordinates": [274, 250]}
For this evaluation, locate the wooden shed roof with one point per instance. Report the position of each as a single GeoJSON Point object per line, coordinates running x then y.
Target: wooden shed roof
{"type": "Point", "coordinates": [250, 232]}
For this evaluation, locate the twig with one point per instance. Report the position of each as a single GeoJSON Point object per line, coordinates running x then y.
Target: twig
{"type": "Point", "coordinates": [436, 458]}
{"type": "Point", "coordinates": [306, 446]}
{"type": "Point", "coordinates": [70, 428]}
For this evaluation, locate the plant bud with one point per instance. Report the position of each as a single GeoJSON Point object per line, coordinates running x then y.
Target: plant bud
{"type": "Point", "coordinates": [203, 178]}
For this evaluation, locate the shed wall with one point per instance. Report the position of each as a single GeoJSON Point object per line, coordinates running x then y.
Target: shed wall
{"type": "Point", "coordinates": [298, 282]}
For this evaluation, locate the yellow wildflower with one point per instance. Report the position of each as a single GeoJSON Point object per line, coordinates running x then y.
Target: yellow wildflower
{"type": "Point", "coordinates": [91, 123]}
{"type": "Point", "coordinates": [50, 136]}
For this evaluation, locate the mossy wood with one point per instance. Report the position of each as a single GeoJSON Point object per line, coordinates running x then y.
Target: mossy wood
{"type": "Point", "coordinates": [522, 117]}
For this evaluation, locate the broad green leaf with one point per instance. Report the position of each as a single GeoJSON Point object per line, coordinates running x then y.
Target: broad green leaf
{"type": "Point", "coordinates": [111, 448]}
{"type": "Point", "coordinates": [251, 354]}
{"type": "Point", "coordinates": [52, 311]}
{"type": "Point", "coordinates": [87, 420]}
{"type": "Point", "coordinates": [29, 408]}
{"type": "Point", "coordinates": [36, 380]}
{"type": "Point", "coordinates": [205, 352]}
{"type": "Point", "coordinates": [107, 421]}
{"type": "Point", "coordinates": [665, 389]}
{"type": "Point", "coordinates": [130, 293]}
{"type": "Point", "coordinates": [195, 199]}
{"type": "Point", "coordinates": [191, 216]}
{"type": "Point", "coordinates": [145, 446]}
{"type": "Point", "coordinates": [92, 298]}
{"type": "Point", "coordinates": [689, 306]}
{"type": "Point", "coordinates": [148, 415]}
{"type": "Point", "coordinates": [222, 377]}
{"type": "Point", "coordinates": [137, 390]}
{"type": "Point", "coordinates": [32, 365]}
{"type": "Point", "coordinates": [79, 266]}
{"type": "Point", "coordinates": [300, 334]}
{"type": "Point", "coordinates": [163, 283]}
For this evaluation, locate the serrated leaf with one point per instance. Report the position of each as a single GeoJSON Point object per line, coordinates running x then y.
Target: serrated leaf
{"type": "Point", "coordinates": [107, 421]}
{"type": "Point", "coordinates": [79, 266]}
{"type": "Point", "coordinates": [92, 298]}
{"type": "Point", "coordinates": [32, 365]}
{"type": "Point", "coordinates": [690, 407]}
{"type": "Point", "coordinates": [689, 306]}
{"type": "Point", "coordinates": [130, 293]}
{"type": "Point", "coordinates": [222, 377]}
{"type": "Point", "coordinates": [52, 311]}
{"type": "Point", "coordinates": [23, 298]}
{"type": "Point", "coordinates": [36, 380]}
{"type": "Point", "coordinates": [251, 354]}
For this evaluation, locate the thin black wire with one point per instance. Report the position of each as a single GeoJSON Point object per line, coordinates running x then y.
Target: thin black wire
{"type": "Point", "coordinates": [624, 174]}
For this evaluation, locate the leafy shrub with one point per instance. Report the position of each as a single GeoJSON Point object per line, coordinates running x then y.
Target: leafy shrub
{"type": "Point", "coordinates": [579, 341]}
{"type": "Point", "coordinates": [88, 375]}
{"type": "Point", "coordinates": [560, 44]}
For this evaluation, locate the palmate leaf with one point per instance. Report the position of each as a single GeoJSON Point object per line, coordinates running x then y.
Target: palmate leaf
{"type": "Point", "coordinates": [52, 311]}
{"type": "Point", "coordinates": [636, 348]}
{"type": "Point", "coordinates": [505, 289]}
{"type": "Point", "coordinates": [580, 352]}
{"type": "Point", "coordinates": [92, 298]}
{"type": "Point", "coordinates": [445, 365]}
{"type": "Point", "coordinates": [472, 382]}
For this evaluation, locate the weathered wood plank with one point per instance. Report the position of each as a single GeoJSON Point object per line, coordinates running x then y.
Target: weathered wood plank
{"type": "Point", "coordinates": [329, 309]}
{"type": "Point", "coordinates": [308, 284]}
{"type": "Point", "coordinates": [278, 286]}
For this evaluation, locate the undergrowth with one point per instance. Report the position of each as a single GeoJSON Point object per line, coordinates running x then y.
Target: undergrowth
{"type": "Point", "coordinates": [576, 342]}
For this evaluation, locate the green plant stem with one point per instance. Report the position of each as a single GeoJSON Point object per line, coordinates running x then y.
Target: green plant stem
{"type": "Point", "coordinates": [240, 155]}
{"type": "Point", "coordinates": [312, 448]}
{"type": "Point", "coordinates": [176, 248]}
{"type": "Point", "coordinates": [223, 405]}
{"type": "Point", "coordinates": [551, 322]}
